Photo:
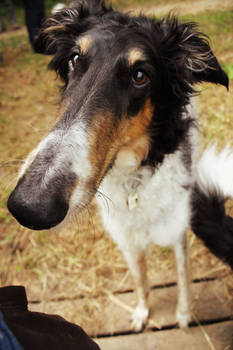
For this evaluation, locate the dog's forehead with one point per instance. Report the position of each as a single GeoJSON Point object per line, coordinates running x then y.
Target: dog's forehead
{"type": "Point", "coordinates": [114, 40]}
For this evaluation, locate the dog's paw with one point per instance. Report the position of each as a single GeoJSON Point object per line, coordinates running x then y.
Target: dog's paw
{"type": "Point", "coordinates": [183, 318]}
{"type": "Point", "coordinates": [139, 318]}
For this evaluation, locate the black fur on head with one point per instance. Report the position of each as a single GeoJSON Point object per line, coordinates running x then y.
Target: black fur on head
{"type": "Point", "coordinates": [179, 53]}
{"type": "Point", "coordinates": [71, 20]}
{"type": "Point", "coordinates": [182, 51]}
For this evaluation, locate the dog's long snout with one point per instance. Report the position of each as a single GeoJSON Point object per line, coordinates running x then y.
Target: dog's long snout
{"type": "Point", "coordinates": [52, 178]}
{"type": "Point", "coordinates": [37, 211]}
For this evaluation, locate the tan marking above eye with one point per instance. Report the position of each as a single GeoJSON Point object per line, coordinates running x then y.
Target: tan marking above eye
{"type": "Point", "coordinates": [84, 44]}
{"type": "Point", "coordinates": [55, 28]}
{"type": "Point", "coordinates": [135, 55]}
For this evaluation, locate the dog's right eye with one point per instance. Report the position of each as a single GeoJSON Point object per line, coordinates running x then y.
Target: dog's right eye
{"type": "Point", "coordinates": [140, 78]}
{"type": "Point", "coordinates": [74, 61]}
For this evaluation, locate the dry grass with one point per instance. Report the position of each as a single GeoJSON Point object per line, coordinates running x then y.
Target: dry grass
{"type": "Point", "coordinates": [82, 260]}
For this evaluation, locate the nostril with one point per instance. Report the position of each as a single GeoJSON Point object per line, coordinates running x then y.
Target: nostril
{"type": "Point", "coordinates": [40, 213]}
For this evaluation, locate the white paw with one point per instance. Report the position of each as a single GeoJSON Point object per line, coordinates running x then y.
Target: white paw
{"type": "Point", "coordinates": [139, 318]}
{"type": "Point", "coordinates": [183, 318]}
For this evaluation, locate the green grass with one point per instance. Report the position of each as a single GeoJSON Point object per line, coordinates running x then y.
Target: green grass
{"type": "Point", "coordinates": [214, 22]}
{"type": "Point", "coordinates": [19, 10]}
{"type": "Point", "coordinates": [228, 67]}
{"type": "Point", "coordinates": [118, 4]}
{"type": "Point", "coordinates": [14, 42]}
{"type": "Point", "coordinates": [16, 51]}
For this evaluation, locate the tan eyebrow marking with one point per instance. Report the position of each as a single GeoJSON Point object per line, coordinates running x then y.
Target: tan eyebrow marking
{"type": "Point", "coordinates": [51, 29]}
{"type": "Point", "coordinates": [134, 56]}
{"type": "Point", "coordinates": [84, 44]}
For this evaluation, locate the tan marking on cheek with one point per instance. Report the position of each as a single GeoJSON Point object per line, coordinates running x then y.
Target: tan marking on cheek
{"type": "Point", "coordinates": [84, 44]}
{"type": "Point", "coordinates": [137, 140]}
{"type": "Point", "coordinates": [134, 56]}
{"type": "Point", "coordinates": [132, 154]}
{"type": "Point", "coordinates": [104, 143]}
{"type": "Point", "coordinates": [139, 124]}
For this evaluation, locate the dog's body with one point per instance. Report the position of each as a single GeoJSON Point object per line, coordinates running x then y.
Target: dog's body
{"type": "Point", "coordinates": [129, 133]}
{"type": "Point", "coordinates": [141, 210]}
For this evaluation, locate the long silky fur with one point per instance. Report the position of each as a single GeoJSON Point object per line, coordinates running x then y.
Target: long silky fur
{"type": "Point", "coordinates": [211, 223]}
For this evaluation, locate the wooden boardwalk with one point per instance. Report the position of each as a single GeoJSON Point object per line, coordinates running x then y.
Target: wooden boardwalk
{"type": "Point", "coordinates": [216, 336]}
{"type": "Point", "coordinates": [107, 318]}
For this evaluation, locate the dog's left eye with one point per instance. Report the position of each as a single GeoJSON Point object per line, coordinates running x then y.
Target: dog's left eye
{"type": "Point", "coordinates": [140, 78]}
{"type": "Point", "coordinates": [74, 61]}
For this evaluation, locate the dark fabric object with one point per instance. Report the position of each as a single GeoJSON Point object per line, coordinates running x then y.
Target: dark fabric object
{"type": "Point", "coordinates": [34, 17]}
{"type": "Point", "coordinates": [7, 339]}
{"type": "Point", "coordinates": [39, 331]}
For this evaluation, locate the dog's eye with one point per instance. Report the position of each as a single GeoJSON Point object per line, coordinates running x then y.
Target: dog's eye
{"type": "Point", "coordinates": [140, 78]}
{"type": "Point", "coordinates": [74, 60]}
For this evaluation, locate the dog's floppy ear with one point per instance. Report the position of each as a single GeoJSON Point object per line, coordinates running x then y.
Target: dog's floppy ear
{"type": "Point", "coordinates": [68, 22]}
{"type": "Point", "coordinates": [188, 54]}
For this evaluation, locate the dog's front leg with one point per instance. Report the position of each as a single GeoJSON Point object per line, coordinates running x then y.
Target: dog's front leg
{"type": "Point", "coordinates": [137, 264]}
{"type": "Point", "coordinates": [183, 316]}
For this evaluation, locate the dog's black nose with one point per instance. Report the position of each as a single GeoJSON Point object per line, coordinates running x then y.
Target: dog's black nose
{"type": "Point", "coordinates": [37, 212]}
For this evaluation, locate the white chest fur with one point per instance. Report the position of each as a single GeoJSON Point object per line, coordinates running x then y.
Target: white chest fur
{"type": "Point", "coordinates": [147, 204]}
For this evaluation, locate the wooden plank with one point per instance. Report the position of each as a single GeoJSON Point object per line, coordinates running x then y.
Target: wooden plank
{"type": "Point", "coordinates": [111, 314]}
{"type": "Point", "coordinates": [218, 337]}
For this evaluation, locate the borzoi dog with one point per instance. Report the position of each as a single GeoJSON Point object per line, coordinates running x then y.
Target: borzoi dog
{"type": "Point", "coordinates": [129, 130]}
